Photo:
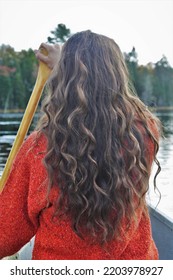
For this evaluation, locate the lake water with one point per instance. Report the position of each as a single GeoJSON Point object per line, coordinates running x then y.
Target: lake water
{"type": "Point", "coordinates": [9, 124]}
{"type": "Point", "coordinates": [165, 177]}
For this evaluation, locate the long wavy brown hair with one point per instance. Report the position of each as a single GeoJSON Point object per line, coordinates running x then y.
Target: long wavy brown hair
{"type": "Point", "coordinates": [98, 132]}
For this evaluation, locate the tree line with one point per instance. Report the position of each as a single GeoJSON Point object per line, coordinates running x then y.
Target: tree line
{"type": "Point", "coordinates": [153, 82]}
{"type": "Point", "coordinates": [18, 70]}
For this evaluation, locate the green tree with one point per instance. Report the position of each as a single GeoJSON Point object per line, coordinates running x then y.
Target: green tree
{"type": "Point", "coordinates": [131, 59]}
{"type": "Point", "coordinates": [163, 82]}
{"type": "Point", "coordinates": [17, 77]}
{"type": "Point", "coordinates": [8, 67]}
{"type": "Point", "coordinates": [28, 69]}
{"type": "Point", "coordinates": [60, 34]}
{"type": "Point", "coordinates": [5, 92]}
{"type": "Point", "coordinates": [153, 82]}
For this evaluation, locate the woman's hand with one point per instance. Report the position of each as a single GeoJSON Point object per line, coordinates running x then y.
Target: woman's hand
{"type": "Point", "coordinates": [53, 54]}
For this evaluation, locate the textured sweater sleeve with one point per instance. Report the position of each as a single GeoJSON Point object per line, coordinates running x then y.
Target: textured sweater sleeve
{"type": "Point", "coordinates": [16, 228]}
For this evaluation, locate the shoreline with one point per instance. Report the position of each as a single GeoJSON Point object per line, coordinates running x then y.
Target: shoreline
{"type": "Point", "coordinates": [7, 111]}
{"type": "Point", "coordinates": [161, 108]}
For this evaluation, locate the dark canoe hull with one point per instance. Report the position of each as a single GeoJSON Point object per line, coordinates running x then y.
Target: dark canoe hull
{"type": "Point", "coordinates": [162, 229]}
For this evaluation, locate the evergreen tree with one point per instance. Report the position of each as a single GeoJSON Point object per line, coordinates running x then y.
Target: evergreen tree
{"type": "Point", "coordinates": [163, 82]}
{"type": "Point", "coordinates": [131, 59]}
{"type": "Point", "coordinates": [60, 34]}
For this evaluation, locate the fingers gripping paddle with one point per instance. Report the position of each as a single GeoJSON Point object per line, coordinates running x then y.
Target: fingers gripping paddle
{"type": "Point", "coordinates": [42, 76]}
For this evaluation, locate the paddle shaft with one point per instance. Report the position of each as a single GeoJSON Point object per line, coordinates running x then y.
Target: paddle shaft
{"type": "Point", "coordinates": [43, 74]}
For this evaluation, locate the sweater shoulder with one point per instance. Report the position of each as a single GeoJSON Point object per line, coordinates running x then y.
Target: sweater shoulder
{"type": "Point", "coordinates": [36, 138]}
{"type": "Point", "coordinates": [33, 147]}
{"type": "Point", "coordinates": [35, 143]}
{"type": "Point", "coordinates": [155, 127]}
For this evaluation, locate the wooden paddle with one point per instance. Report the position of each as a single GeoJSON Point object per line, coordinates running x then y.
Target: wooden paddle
{"type": "Point", "coordinates": [42, 76]}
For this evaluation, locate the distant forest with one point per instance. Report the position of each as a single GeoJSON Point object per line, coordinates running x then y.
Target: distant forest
{"type": "Point", "coordinates": [18, 70]}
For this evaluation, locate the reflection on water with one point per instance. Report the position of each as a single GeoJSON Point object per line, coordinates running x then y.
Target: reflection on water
{"type": "Point", "coordinates": [165, 178]}
{"type": "Point", "coordinates": [9, 124]}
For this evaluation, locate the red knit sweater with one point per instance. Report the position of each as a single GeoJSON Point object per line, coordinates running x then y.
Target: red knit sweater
{"type": "Point", "coordinates": [23, 214]}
